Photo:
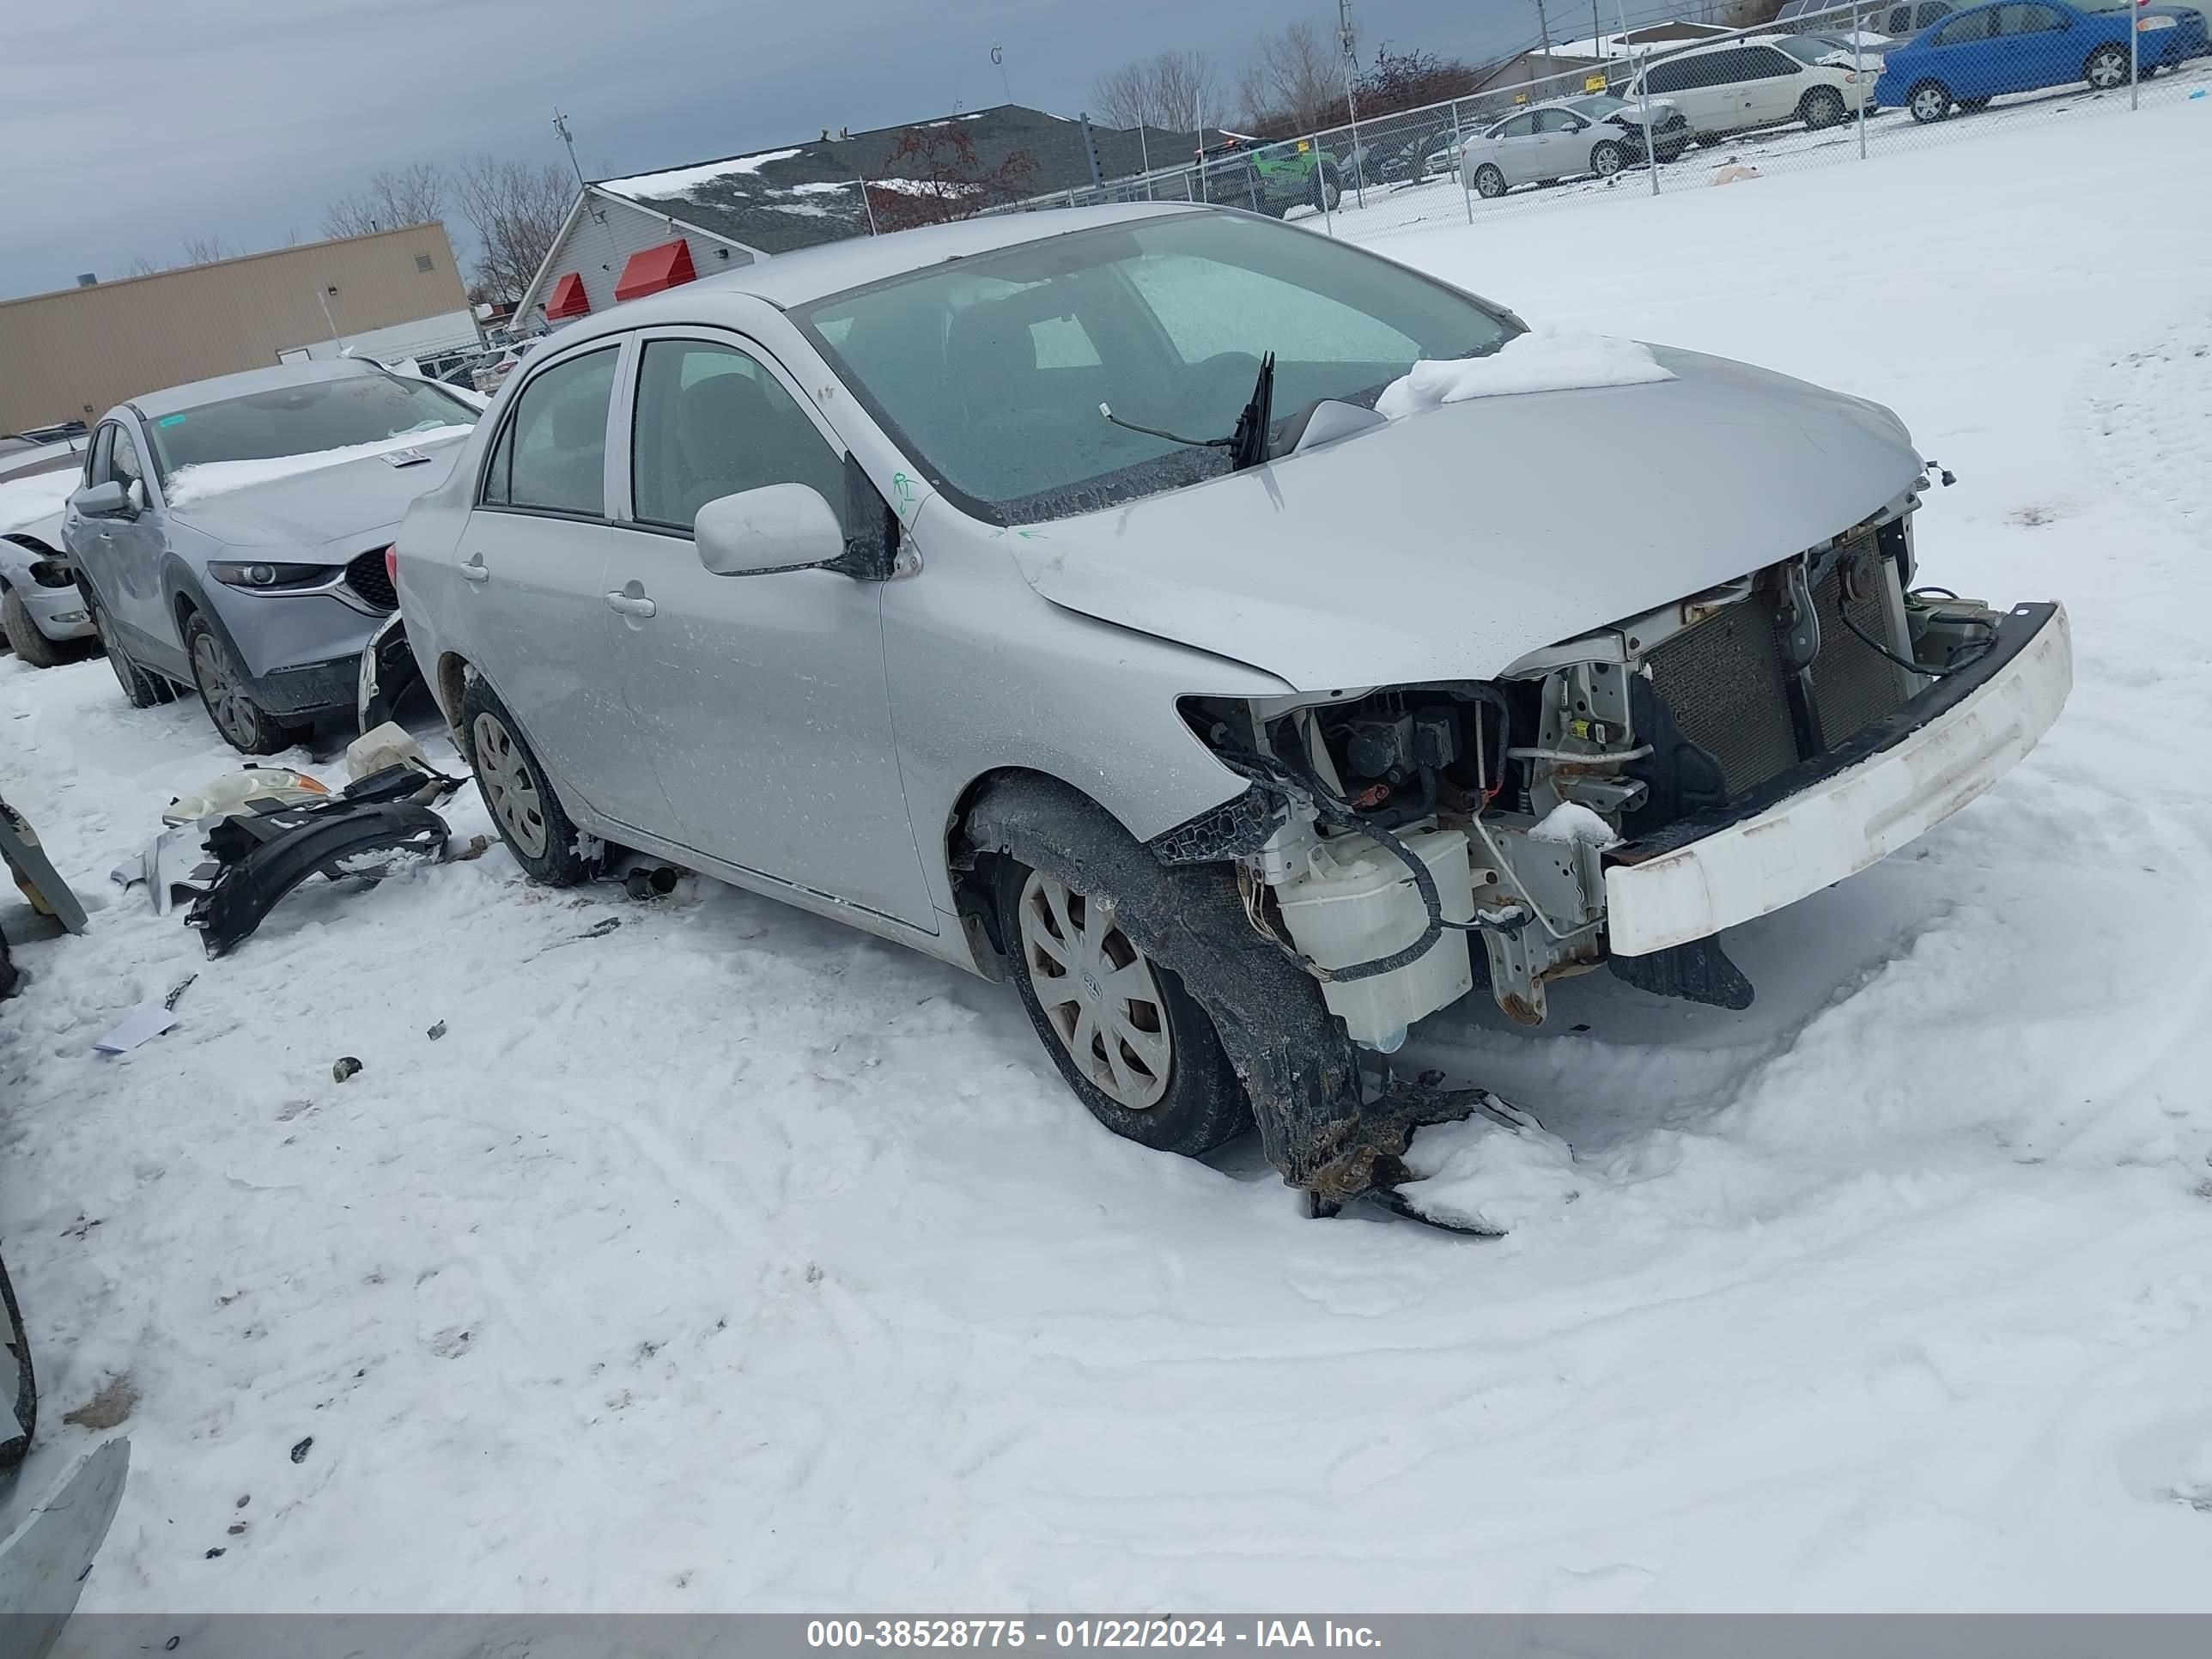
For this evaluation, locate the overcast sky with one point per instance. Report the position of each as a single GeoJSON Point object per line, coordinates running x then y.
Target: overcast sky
{"type": "Point", "coordinates": [131, 125]}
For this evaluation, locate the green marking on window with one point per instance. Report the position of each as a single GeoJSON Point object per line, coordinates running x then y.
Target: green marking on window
{"type": "Point", "coordinates": [170, 420]}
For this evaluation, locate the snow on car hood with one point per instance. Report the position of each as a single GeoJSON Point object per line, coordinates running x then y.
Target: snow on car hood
{"type": "Point", "coordinates": [304, 501]}
{"type": "Point", "coordinates": [1447, 544]}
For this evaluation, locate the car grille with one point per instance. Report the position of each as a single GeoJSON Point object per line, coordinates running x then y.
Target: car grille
{"type": "Point", "coordinates": [1725, 683]}
{"type": "Point", "coordinates": [366, 577]}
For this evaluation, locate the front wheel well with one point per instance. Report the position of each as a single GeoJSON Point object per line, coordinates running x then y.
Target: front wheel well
{"type": "Point", "coordinates": [974, 869]}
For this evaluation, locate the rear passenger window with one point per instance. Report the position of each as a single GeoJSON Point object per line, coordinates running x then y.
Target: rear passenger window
{"type": "Point", "coordinates": [713, 421]}
{"type": "Point", "coordinates": [1964, 31]}
{"type": "Point", "coordinates": [552, 456]}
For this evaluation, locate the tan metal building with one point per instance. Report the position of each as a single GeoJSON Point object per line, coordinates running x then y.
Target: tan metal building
{"type": "Point", "coordinates": [77, 353]}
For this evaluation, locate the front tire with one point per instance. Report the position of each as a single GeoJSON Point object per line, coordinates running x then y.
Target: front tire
{"type": "Point", "coordinates": [1489, 182]}
{"type": "Point", "coordinates": [1133, 1044]}
{"type": "Point", "coordinates": [246, 725]}
{"type": "Point", "coordinates": [544, 840]}
{"type": "Point", "coordinates": [1823, 106]}
{"type": "Point", "coordinates": [1606, 158]}
{"type": "Point", "coordinates": [23, 636]}
{"type": "Point", "coordinates": [1930, 102]}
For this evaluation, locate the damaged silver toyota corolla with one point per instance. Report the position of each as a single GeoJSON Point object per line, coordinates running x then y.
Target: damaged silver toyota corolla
{"type": "Point", "coordinates": [1241, 642]}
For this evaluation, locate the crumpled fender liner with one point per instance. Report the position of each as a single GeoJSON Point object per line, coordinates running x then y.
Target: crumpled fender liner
{"type": "Point", "coordinates": [1299, 1069]}
{"type": "Point", "coordinates": [265, 857]}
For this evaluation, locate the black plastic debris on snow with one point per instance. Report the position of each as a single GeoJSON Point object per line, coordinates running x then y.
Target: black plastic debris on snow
{"type": "Point", "coordinates": [371, 829]}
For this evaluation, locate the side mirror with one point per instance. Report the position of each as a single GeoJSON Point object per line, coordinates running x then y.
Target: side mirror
{"type": "Point", "coordinates": [110, 499]}
{"type": "Point", "coordinates": [780, 526]}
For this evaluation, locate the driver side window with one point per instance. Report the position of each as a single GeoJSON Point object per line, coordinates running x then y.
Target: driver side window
{"type": "Point", "coordinates": [115, 459]}
{"type": "Point", "coordinates": [1555, 120]}
{"type": "Point", "coordinates": [713, 421]}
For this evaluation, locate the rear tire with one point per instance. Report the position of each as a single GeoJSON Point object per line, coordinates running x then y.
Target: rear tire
{"type": "Point", "coordinates": [1930, 102]}
{"type": "Point", "coordinates": [245, 725]}
{"type": "Point", "coordinates": [543, 839]}
{"type": "Point", "coordinates": [139, 689]}
{"type": "Point", "coordinates": [1135, 1047]}
{"type": "Point", "coordinates": [23, 636]}
{"type": "Point", "coordinates": [1489, 182]}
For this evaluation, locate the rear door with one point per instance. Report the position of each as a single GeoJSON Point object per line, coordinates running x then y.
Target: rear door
{"type": "Point", "coordinates": [763, 698]}
{"type": "Point", "coordinates": [1514, 149]}
{"type": "Point", "coordinates": [1692, 85]}
{"type": "Point", "coordinates": [533, 603]}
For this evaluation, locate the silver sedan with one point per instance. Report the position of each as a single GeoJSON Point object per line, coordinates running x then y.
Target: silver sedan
{"type": "Point", "coordinates": [1172, 612]}
{"type": "Point", "coordinates": [1550, 141]}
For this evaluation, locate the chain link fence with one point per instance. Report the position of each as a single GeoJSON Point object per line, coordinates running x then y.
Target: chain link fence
{"type": "Point", "coordinates": [1827, 86]}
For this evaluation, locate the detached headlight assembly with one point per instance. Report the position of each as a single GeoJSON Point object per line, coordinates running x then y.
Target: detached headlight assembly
{"type": "Point", "coordinates": [259, 578]}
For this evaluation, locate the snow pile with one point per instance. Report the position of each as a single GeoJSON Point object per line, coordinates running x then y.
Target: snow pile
{"type": "Point", "coordinates": [1479, 1173]}
{"type": "Point", "coordinates": [191, 484]}
{"type": "Point", "coordinates": [26, 500]}
{"type": "Point", "coordinates": [1571, 824]}
{"type": "Point", "coordinates": [1542, 360]}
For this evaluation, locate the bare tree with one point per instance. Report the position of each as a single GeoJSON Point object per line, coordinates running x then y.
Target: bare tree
{"type": "Point", "coordinates": [204, 250]}
{"type": "Point", "coordinates": [140, 265]}
{"type": "Point", "coordinates": [393, 198]}
{"type": "Point", "coordinates": [516, 208]}
{"type": "Point", "coordinates": [933, 175]}
{"type": "Point", "coordinates": [1175, 90]}
{"type": "Point", "coordinates": [1293, 78]}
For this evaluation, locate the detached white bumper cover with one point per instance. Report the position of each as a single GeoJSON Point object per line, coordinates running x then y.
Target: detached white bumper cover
{"type": "Point", "coordinates": [1925, 765]}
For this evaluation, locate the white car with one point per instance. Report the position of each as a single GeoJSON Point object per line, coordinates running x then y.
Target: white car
{"type": "Point", "coordinates": [1760, 81]}
{"type": "Point", "coordinates": [1565, 140]}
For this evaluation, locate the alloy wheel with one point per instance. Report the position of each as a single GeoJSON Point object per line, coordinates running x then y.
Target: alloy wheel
{"type": "Point", "coordinates": [1605, 160]}
{"type": "Point", "coordinates": [233, 711]}
{"type": "Point", "coordinates": [1930, 103]}
{"type": "Point", "coordinates": [512, 792]}
{"type": "Point", "coordinates": [1098, 991]}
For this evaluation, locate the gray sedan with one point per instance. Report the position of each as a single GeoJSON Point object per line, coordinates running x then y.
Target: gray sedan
{"type": "Point", "coordinates": [1594, 134]}
{"type": "Point", "coordinates": [230, 535]}
{"type": "Point", "coordinates": [1171, 611]}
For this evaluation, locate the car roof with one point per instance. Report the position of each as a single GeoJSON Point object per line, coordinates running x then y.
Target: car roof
{"type": "Point", "coordinates": [809, 274]}
{"type": "Point", "coordinates": [193, 394]}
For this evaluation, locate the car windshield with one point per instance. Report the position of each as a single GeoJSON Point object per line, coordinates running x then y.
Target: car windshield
{"type": "Point", "coordinates": [1598, 105]}
{"type": "Point", "coordinates": [990, 371]}
{"type": "Point", "coordinates": [303, 420]}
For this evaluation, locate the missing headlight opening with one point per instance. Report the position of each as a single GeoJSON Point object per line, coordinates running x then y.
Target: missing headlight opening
{"type": "Point", "coordinates": [1406, 842]}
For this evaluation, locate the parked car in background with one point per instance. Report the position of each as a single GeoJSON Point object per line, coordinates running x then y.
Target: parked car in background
{"type": "Point", "coordinates": [490, 376]}
{"type": "Point", "coordinates": [44, 449]}
{"type": "Point", "coordinates": [1670, 132]}
{"type": "Point", "coordinates": [42, 614]}
{"type": "Point", "coordinates": [1093, 600]}
{"type": "Point", "coordinates": [1761, 81]}
{"type": "Point", "coordinates": [2021, 45]}
{"type": "Point", "coordinates": [1271, 178]}
{"type": "Point", "coordinates": [1546, 143]}
{"type": "Point", "coordinates": [1897, 19]}
{"type": "Point", "coordinates": [230, 535]}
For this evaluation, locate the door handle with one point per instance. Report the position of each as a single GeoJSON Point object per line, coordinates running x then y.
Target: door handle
{"type": "Point", "coordinates": [630, 605]}
{"type": "Point", "coordinates": [473, 570]}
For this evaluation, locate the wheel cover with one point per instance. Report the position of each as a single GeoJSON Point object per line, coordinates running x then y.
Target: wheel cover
{"type": "Point", "coordinates": [1097, 991]}
{"type": "Point", "coordinates": [235, 712]}
{"type": "Point", "coordinates": [2107, 69]}
{"type": "Point", "coordinates": [1490, 182]}
{"type": "Point", "coordinates": [1606, 159]}
{"type": "Point", "coordinates": [1928, 103]}
{"type": "Point", "coordinates": [511, 792]}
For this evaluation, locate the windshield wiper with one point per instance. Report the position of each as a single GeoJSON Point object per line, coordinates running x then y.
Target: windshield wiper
{"type": "Point", "coordinates": [1248, 444]}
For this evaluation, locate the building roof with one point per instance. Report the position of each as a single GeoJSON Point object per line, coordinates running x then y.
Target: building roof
{"type": "Point", "coordinates": [194, 393]}
{"type": "Point", "coordinates": [804, 195]}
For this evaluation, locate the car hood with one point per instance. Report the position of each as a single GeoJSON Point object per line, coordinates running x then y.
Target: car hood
{"type": "Point", "coordinates": [323, 504]}
{"type": "Point", "coordinates": [1447, 543]}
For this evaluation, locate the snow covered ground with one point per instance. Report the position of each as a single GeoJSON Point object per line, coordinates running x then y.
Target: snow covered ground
{"type": "Point", "coordinates": [724, 1259]}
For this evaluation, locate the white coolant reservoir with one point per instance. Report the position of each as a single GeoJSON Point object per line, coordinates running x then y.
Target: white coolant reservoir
{"type": "Point", "coordinates": [1354, 900]}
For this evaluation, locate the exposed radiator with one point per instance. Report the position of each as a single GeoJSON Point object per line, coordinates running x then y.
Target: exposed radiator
{"type": "Point", "coordinates": [1724, 682]}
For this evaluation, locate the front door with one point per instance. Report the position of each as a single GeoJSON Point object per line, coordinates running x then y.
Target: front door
{"type": "Point", "coordinates": [532, 598]}
{"type": "Point", "coordinates": [762, 698]}
{"type": "Point", "coordinates": [128, 574]}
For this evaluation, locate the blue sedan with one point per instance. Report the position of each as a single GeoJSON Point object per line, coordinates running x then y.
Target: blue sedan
{"type": "Point", "coordinates": [1972, 55]}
